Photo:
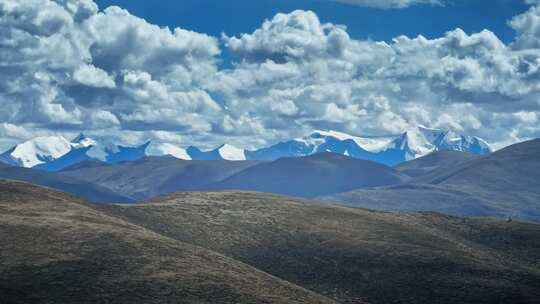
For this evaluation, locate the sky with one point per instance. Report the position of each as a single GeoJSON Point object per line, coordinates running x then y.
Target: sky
{"type": "Point", "coordinates": [251, 73]}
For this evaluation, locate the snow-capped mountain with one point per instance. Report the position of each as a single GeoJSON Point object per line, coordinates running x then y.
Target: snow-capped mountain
{"type": "Point", "coordinates": [160, 149]}
{"type": "Point", "coordinates": [36, 151]}
{"type": "Point", "coordinates": [317, 142]}
{"type": "Point", "coordinates": [122, 153]}
{"type": "Point", "coordinates": [57, 153]}
{"type": "Point", "coordinates": [84, 148]}
{"type": "Point", "coordinates": [223, 152]}
{"type": "Point", "coordinates": [82, 141]}
{"type": "Point", "coordinates": [421, 141]}
{"type": "Point", "coordinates": [412, 144]}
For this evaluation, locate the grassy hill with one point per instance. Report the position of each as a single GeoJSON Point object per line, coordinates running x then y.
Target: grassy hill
{"type": "Point", "coordinates": [355, 255]}
{"type": "Point", "coordinates": [56, 248]}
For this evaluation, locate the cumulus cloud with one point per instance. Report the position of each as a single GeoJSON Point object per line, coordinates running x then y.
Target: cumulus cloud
{"type": "Point", "coordinates": [467, 82]}
{"type": "Point", "coordinates": [66, 66]}
{"type": "Point", "coordinates": [527, 26]}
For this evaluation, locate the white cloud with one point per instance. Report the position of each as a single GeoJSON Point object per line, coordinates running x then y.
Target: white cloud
{"type": "Point", "coordinates": [460, 81]}
{"type": "Point", "coordinates": [91, 76]}
{"type": "Point", "coordinates": [527, 26]}
{"type": "Point", "coordinates": [65, 66]}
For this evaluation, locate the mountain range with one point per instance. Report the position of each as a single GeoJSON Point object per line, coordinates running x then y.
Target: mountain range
{"type": "Point", "coordinates": [501, 184]}
{"type": "Point", "coordinates": [57, 153]}
{"type": "Point", "coordinates": [505, 183]}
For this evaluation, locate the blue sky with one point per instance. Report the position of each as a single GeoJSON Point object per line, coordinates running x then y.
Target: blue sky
{"type": "Point", "coordinates": [244, 16]}
{"type": "Point", "coordinates": [112, 73]}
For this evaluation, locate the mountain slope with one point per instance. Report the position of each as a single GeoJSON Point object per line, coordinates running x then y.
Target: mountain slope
{"type": "Point", "coordinates": [321, 142]}
{"type": "Point", "coordinates": [161, 149]}
{"type": "Point", "coordinates": [122, 153]}
{"type": "Point", "coordinates": [36, 151]}
{"type": "Point", "coordinates": [439, 160]}
{"type": "Point", "coordinates": [83, 149]}
{"type": "Point", "coordinates": [353, 254]}
{"type": "Point", "coordinates": [152, 176]}
{"type": "Point", "coordinates": [58, 249]}
{"type": "Point", "coordinates": [86, 190]}
{"type": "Point", "coordinates": [414, 143]}
{"type": "Point", "coordinates": [223, 152]}
{"type": "Point", "coordinates": [504, 184]}
{"type": "Point", "coordinates": [319, 174]}
{"type": "Point", "coordinates": [56, 153]}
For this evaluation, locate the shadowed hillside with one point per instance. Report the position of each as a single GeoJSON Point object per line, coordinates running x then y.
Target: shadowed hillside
{"type": "Point", "coordinates": [86, 190]}
{"type": "Point", "coordinates": [504, 184]}
{"type": "Point", "coordinates": [58, 249]}
{"type": "Point", "coordinates": [439, 160]}
{"type": "Point", "coordinates": [153, 176]}
{"type": "Point", "coordinates": [310, 176]}
{"type": "Point", "coordinates": [352, 254]}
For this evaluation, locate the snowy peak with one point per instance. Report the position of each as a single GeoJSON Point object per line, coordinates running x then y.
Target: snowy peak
{"type": "Point", "coordinates": [160, 149]}
{"type": "Point", "coordinates": [124, 153]}
{"type": "Point", "coordinates": [55, 153]}
{"type": "Point", "coordinates": [411, 144]}
{"type": "Point", "coordinates": [319, 137]}
{"type": "Point", "coordinates": [322, 141]}
{"type": "Point", "coordinates": [421, 141]}
{"type": "Point", "coordinates": [82, 141]}
{"type": "Point", "coordinates": [223, 152]}
{"type": "Point", "coordinates": [229, 152]}
{"type": "Point", "coordinates": [36, 151]}
{"type": "Point", "coordinates": [416, 142]}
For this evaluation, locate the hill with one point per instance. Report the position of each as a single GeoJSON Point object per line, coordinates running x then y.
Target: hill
{"type": "Point", "coordinates": [89, 191]}
{"type": "Point", "coordinates": [355, 255]}
{"type": "Point", "coordinates": [58, 249]}
{"type": "Point", "coordinates": [439, 160]}
{"type": "Point", "coordinates": [504, 184]}
{"type": "Point", "coordinates": [310, 176]}
{"type": "Point", "coordinates": [153, 176]}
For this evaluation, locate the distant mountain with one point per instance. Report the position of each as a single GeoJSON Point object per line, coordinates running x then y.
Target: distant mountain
{"type": "Point", "coordinates": [505, 183]}
{"type": "Point", "coordinates": [161, 149]}
{"type": "Point", "coordinates": [320, 174]}
{"type": "Point", "coordinates": [321, 142]}
{"type": "Point", "coordinates": [82, 149]}
{"type": "Point", "coordinates": [310, 176]}
{"type": "Point", "coordinates": [412, 144]}
{"type": "Point", "coordinates": [56, 153]}
{"type": "Point", "coordinates": [85, 149]}
{"type": "Point", "coordinates": [223, 152]}
{"type": "Point", "coordinates": [83, 189]}
{"type": "Point", "coordinates": [152, 176]}
{"type": "Point", "coordinates": [514, 169]}
{"type": "Point", "coordinates": [36, 151]}
{"type": "Point", "coordinates": [438, 160]}
{"type": "Point", "coordinates": [122, 153]}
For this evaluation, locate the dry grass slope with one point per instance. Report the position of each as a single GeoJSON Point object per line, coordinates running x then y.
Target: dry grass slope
{"type": "Point", "coordinates": [56, 248]}
{"type": "Point", "coordinates": [356, 255]}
